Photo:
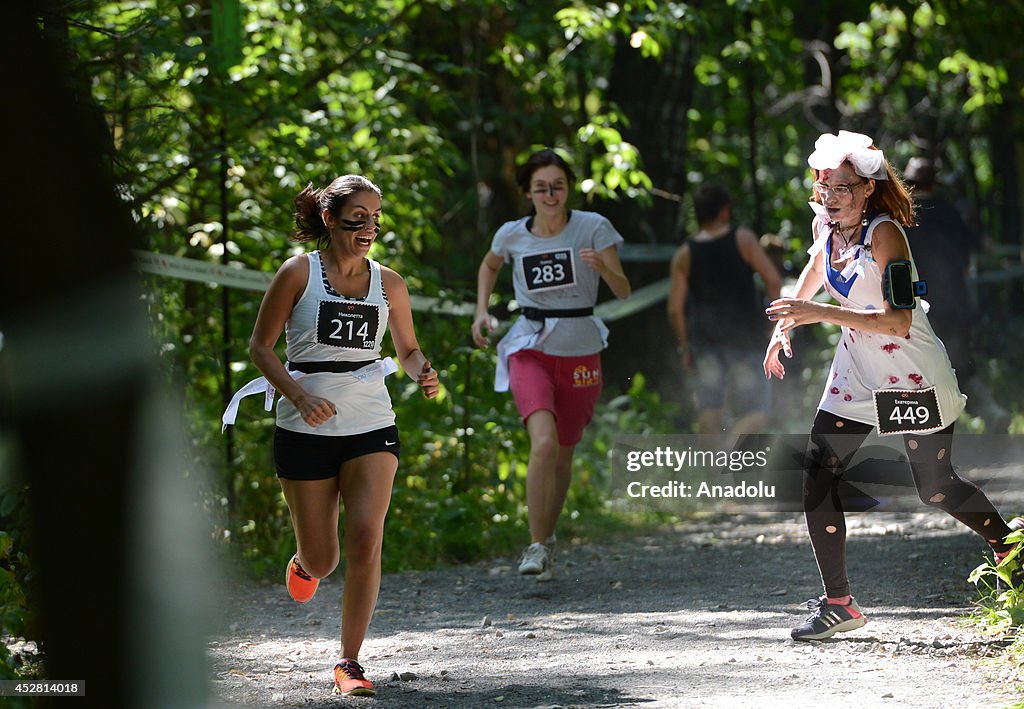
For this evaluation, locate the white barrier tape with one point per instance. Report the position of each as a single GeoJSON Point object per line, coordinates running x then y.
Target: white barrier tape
{"type": "Point", "coordinates": [642, 298]}
{"type": "Point", "coordinates": [633, 252]}
{"type": "Point", "coordinates": [188, 269]}
{"type": "Point", "coordinates": [246, 278]}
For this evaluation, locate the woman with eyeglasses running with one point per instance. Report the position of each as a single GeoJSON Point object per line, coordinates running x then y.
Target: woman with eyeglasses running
{"type": "Point", "coordinates": [551, 356]}
{"type": "Point", "coordinates": [889, 371]}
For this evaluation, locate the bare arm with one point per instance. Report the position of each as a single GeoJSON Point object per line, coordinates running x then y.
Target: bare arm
{"type": "Point", "coordinates": [282, 294]}
{"type": "Point", "coordinates": [679, 291]}
{"type": "Point", "coordinates": [486, 277]}
{"type": "Point", "coordinates": [403, 334]}
{"type": "Point", "coordinates": [807, 286]}
{"type": "Point", "coordinates": [754, 254]}
{"type": "Point", "coordinates": [887, 245]}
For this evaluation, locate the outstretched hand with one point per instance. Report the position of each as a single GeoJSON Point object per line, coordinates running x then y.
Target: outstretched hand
{"type": "Point", "coordinates": [794, 312]}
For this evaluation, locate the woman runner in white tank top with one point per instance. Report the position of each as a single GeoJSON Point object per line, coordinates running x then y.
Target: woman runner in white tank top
{"type": "Point", "coordinates": [336, 442]}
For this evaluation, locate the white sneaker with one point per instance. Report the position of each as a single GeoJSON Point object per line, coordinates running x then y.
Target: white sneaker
{"type": "Point", "coordinates": [535, 560]}
{"type": "Point", "coordinates": [549, 572]}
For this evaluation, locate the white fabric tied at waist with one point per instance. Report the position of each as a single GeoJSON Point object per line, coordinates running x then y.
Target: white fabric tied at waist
{"type": "Point", "coordinates": [381, 368]}
{"type": "Point", "coordinates": [514, 341]}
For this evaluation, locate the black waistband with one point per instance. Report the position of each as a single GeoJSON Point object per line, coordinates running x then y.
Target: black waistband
{"type": "Point", "coordinates": [541, 313]}
{"type": "Point", "coordinates": [334, 367]}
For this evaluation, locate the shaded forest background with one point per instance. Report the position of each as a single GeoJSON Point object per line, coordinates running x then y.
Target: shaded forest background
{"type": "Point", "coordinates": [218, 112]}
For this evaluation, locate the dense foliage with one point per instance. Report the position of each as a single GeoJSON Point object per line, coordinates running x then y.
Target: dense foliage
{"type": "Point", "coordinates": [219, 112]}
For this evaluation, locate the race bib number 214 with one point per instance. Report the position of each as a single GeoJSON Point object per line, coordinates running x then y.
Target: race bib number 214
{"type": "Point", "coordinates": [345, 324]}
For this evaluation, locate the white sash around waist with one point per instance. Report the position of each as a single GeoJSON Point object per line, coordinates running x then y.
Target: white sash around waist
{"type": "Point", "coordinates": [381, 368]}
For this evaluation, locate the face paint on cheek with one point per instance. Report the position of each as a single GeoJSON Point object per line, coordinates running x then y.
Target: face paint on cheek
{"type": "Point", "coordinates": [352, 225]}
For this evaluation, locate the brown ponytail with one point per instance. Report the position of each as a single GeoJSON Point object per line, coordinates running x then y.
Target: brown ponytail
{"type": "Point", "coordinates": [311, 202]}
{"type": "Point", "coordinates": [309, 221]}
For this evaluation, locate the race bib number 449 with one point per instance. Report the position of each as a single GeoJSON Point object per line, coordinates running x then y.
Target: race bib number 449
{"type": "Point", "coordinates": [349, 325]}
{"type": "Point", "coordinates": [907, 411]}
{"type": "Point", "coordinates": [550, 269]}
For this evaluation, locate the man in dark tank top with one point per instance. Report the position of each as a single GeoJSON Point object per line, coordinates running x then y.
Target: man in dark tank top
{"type": "Point", "coordinates": [716, 313]}
{"type": "Point", "coordinates": [942, 245]}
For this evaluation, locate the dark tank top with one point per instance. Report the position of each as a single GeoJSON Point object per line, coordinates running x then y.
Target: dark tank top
{"type": "Point", "coordinates": [723, 307]}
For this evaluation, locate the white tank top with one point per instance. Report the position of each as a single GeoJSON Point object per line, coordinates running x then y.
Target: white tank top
{"type": "Point", "coordinates": [866, 361]}
{"type": "Point", "coordinates": [326, 326]}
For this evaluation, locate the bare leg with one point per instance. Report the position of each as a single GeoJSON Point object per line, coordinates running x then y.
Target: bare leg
{"type": "Point", "coordinates": [709, 421]}
{"type": "Point", "coordinates": [313, 505]}
{"type": "Point", "coordinates": [365, 485]}
{"type": "Point", "coordinates": [558, 489]}
{"type": "Point", "coordinates": [545, 485]}
{"type": "Point", "coordinates": [753, 422]}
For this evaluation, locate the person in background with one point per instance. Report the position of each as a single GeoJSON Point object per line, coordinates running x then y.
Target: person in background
{"type": "Point", "coordinates": [551, 356]}
{"type": "Point", "coordinates": [942, 244]}
{"type": "Point", "coordinates": [717, 317]}
{"type": "Point", "coordinates": [336, 442]}
{"type": "Point", "coordinates": [887, 355]}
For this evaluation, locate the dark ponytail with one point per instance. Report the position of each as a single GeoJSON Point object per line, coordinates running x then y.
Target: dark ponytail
{"type": "Point", "coordinates": [310, 203]}
{"type": "Point", "coordinates": [309, 222]}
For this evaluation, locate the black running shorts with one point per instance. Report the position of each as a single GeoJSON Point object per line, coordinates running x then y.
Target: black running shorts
{"type": "Point", "coordinates": [307, 456]}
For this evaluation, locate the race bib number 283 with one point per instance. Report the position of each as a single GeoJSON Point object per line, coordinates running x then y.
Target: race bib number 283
{"type": "Point", "coordinates": [549, 269]}
{"type": "Point", "coordinates": [907, 411]}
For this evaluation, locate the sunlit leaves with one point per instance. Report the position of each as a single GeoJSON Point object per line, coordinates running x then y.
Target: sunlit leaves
{"type": "Point", "coordinates": [986, 81]}
{"type": "Point", "coordinates": [615, 168]}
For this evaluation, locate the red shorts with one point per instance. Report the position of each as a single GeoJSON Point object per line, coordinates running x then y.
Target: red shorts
{"type": "Point", "coordinates": [568, 387]}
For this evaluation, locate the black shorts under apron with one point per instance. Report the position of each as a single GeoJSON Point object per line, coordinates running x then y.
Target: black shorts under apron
{"type": "Point", "coordinates": [307, 456]}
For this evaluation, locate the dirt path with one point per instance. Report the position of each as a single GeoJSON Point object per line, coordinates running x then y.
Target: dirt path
{"type": "Point", "coordinates": [698, 616]}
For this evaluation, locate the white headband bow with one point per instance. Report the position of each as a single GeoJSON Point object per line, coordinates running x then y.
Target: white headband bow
{"type": "Point", "coordinates": [831, 151]}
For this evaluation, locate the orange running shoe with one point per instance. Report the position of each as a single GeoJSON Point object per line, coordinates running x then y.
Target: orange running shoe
{"type": "Point", "coordinates": [349, 680]}
{"type": "Point", "coordinates": [301, 586]}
